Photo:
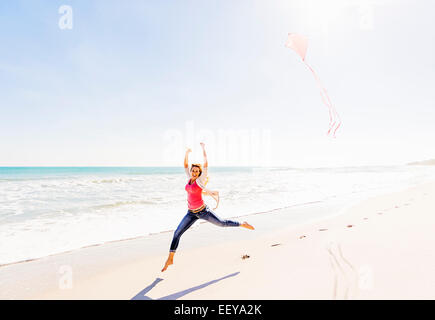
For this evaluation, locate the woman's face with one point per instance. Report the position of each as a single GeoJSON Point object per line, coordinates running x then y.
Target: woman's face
{"type": "Point", "coordinates": [194, 172]}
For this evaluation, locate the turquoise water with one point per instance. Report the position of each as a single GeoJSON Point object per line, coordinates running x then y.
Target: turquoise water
{"type": "Point", "coordinates": [48, 172]}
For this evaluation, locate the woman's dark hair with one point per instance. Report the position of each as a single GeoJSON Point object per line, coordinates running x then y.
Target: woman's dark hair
{"type": "Point", "coordinates": [199, 166]}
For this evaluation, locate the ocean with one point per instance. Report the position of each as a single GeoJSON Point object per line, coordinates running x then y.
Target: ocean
{"type": "Point", "coordinates": [48, 210]}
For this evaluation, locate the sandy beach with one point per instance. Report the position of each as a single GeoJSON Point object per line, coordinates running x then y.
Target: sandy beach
{"type": "Point", "coordinates": [380, 248]}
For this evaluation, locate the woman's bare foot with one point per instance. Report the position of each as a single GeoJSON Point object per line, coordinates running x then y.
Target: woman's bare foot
{"type": "Point", "coordinates": [247, 225]}
{"type": "Point", "coordinates": [169, 261]}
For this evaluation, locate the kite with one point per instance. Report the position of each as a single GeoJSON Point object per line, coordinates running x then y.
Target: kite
{"type": "Point", "coordinates": [299, 44]}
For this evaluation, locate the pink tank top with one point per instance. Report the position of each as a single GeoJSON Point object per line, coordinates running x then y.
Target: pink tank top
{"type": "Point", "coordinates": [194, 196]}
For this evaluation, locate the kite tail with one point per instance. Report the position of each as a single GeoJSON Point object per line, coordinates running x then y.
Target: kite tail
{"type": "Point", "coordinates": [334, 118]}
{"type": "Point", "coordinates": [216, 198]}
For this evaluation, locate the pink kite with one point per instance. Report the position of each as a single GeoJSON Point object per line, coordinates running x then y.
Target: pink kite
{"type": "Point", "coordinates": [299, 44]}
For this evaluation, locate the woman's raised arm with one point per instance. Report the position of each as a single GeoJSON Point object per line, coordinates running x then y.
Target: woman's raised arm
{"type": "Point", "coordinates": [186, 158]}
{"type": "Point", "coordinates": [205, 155]}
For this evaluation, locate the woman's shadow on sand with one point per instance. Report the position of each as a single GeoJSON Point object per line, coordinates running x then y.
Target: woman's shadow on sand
{"type": "Point", "coordinates": [141, 295]}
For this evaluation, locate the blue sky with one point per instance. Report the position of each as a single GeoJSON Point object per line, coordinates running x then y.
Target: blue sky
{"type": "Point", "coordinates": [109, 91]}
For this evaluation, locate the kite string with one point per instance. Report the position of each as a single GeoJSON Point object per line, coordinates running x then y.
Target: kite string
{"type": "Point", "coordinates": [333, 114]}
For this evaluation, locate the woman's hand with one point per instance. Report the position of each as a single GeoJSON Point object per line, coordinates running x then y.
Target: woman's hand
{"type": "Point", "coordinates": [202, 145]}
{"type": "Point", "coordinates": [188, 150]}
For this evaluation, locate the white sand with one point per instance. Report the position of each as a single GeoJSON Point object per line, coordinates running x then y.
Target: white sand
{"type": "Point", "coordinates": [386, 254]}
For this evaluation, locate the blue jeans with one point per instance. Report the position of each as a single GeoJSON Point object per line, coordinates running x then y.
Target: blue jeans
{"type": "Point", "coordinates": [190, 218]}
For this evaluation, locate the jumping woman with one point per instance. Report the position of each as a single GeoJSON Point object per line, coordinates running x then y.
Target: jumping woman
{"type": "Point", "coordinates": [197, 209]}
